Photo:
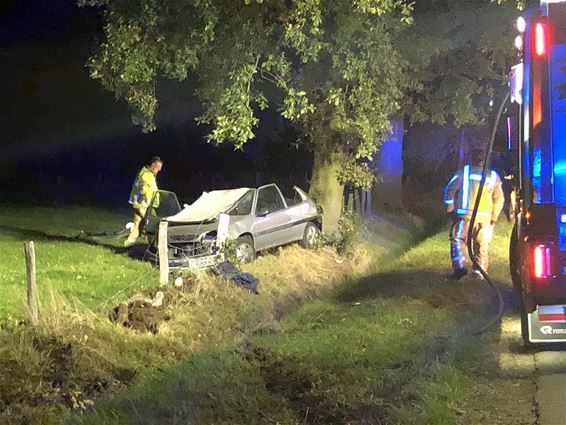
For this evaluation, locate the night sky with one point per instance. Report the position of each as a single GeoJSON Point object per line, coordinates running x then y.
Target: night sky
{"type": "Point", "coordinates": [32, 20]}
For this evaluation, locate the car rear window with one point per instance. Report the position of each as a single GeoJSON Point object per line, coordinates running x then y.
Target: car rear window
{"type": "Point", "coordinates": [291, 196]}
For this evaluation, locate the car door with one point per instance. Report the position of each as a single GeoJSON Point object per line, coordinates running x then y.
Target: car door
{"type": "Point", "coordinates": [270, 221]}
{"type": "Point", "coordinates": [299, 212]}
{"type": "Point", "coordinates": [163, 204]}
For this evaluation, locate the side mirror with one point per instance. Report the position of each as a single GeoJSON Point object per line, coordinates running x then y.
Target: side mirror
{"type": "Point", "coordinates": [262, 212]}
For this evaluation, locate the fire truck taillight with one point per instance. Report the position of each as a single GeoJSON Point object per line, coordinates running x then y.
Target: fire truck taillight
{"type": "Point", "coordinates": [542, 261]}
{"type": "Point", "coordinates": [540, 39]}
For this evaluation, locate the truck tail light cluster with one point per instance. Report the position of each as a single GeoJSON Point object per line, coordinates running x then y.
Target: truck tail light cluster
{"type": "Point", "coordinates": [540, 44]}
{"type": "Point", "coordinates": [540, 125]}
{"type": "Point", "coordinates": [542, 261]}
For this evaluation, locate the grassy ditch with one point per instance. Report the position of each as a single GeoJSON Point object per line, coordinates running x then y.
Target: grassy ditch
{"type": "Point", "coordinates": [392, 347]}
{"type": "Point", "coordinates": [77, 357]}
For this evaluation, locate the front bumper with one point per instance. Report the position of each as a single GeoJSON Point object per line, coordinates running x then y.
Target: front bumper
{"type": "Point", "coordinates": [195, 255]}
{"type": "Point", "coordinates": [195, 263]}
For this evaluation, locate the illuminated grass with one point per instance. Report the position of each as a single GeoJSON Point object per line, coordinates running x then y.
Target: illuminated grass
{"type": "Point", "coordinates": [385, 346]}
{"type": "Point", "coordinates": [76, 354]}
{"type": "Point", "coordinates": [389, 348]}
{"type": "Point", "coordinates": [77, 269]}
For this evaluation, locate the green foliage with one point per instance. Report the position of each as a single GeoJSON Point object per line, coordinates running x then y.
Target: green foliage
{"type": "Point", "coordinates": [356, 174]}
{"type": "Point", "coordinates": [338, 70]}
{"type": "Point", "coordinates": [296, 104]}
{"type": "Point", "coordinates": [229, 250]}
{"type": "Point", "coordinates": [520, 4]}
{"type": "Point", "coordinates": [328, 61]}
{"type": "Point", "coordinates": [459, 54]}
{"type": "Point", "coordinates": [345, 238]}
{"type": "Point", "coordinates": [352, 61]}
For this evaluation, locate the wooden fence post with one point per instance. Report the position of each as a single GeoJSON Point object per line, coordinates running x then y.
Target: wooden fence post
{"type": "Point", "coordinates": [32, 292]}
{"type": "Point", "coordinates": [163, 254]}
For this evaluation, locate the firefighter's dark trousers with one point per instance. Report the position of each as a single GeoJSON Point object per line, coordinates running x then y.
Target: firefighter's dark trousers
{"type": "Point", "coordinates": [481, 235]}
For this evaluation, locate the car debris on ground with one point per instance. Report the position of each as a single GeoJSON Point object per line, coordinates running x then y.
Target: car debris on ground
{"type": "Point", "coordinates": [228, 270]}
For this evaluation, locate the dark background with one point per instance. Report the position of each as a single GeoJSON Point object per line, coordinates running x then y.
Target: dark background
{"type": "Point", "coordinates": [64, 140]}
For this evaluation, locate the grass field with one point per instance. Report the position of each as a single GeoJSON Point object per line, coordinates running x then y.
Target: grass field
{"type": "Point", "coordinates": [379, 338]}
{"type": "Point", "coordinates": [391, 347]}
{"type": "Point", "coordinates": [87, 271]}
{"type": "Point", "coordinates": [76, 355]}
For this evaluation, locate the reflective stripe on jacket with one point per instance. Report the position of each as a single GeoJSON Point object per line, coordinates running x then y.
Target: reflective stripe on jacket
{"type": "Point", "coordinates": [461, 193]}
{"type": "Point", "coordinates": [143, 188]}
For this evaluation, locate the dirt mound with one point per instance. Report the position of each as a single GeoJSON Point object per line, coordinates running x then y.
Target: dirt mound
{"type": "Point", "coordinates": [145, 312]}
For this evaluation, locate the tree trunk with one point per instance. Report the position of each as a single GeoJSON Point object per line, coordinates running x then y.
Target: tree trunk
{"type": "Point", "coordinates": [325, 189]}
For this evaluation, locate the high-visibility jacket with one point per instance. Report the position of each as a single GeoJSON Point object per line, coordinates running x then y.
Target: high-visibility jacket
{"type": "Point", "coordinates": [462, 190]}
{"type": "Point", "coordinates": [143, 189]}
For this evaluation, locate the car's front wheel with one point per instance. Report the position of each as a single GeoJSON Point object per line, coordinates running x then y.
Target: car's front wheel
{"type": "Point", "coordinates": [310, 235]}
{"type": "Point", "coordinates": [245, 250]}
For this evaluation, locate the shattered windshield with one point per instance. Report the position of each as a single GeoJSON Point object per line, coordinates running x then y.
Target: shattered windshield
{"type": "Point", "coordinates": [244, 205]}
{"type": "Point", "coordinates": [165, 203]}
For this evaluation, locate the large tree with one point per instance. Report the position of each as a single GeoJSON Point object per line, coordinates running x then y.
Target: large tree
{"type": "Point", "coordinates": [338, 70]}
{"type": "Point", "coordinates": [461, 52]}
{"type": "Point", "coordinates": [330, 67]}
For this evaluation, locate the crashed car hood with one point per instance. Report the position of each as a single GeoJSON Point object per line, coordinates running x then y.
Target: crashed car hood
{"type": "Point", "coordinates": [209, 205]}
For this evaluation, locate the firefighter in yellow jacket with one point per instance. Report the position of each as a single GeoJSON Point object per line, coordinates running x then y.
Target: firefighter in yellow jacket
{"type": "Point", "coordinates": [459, 198]}
{"type": "Point", "coordinates": [143, 189]}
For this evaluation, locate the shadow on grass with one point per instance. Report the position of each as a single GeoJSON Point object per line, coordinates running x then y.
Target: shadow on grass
{"type": "Point", "coordinates": [38, 235]}
{"type": "Point", "coordinates": [414, 284]}
{"type": "Point", "coordinates": [136, 252]}
{"type": "Point", "coordinates": [302, 393]}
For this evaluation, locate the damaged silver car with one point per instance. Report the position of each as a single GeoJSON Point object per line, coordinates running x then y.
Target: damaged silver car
{"type": "Point", "coordinates": [255, 219]}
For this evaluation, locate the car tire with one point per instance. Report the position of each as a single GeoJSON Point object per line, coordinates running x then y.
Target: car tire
{"type": "Point", "coordinates": [245, 250]}
{"type": "Point", "coordinates": [310, 235]}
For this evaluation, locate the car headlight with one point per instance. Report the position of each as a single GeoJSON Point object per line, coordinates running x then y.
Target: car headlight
{"type": "Point", "coordinates": [209, 236]}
